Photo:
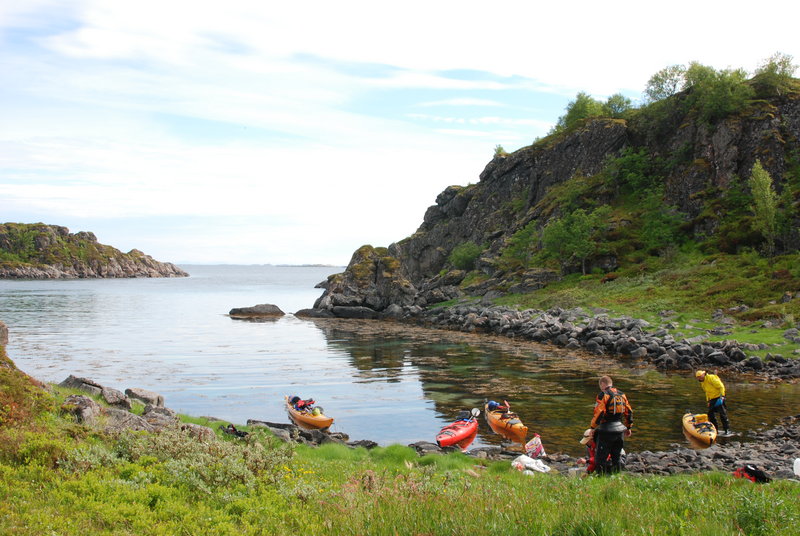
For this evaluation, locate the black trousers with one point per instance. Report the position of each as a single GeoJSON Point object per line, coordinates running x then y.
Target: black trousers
{"type": "Point", "coordinates": [713, 409]}
{"type": "Point", "coordinates": [608, 444]}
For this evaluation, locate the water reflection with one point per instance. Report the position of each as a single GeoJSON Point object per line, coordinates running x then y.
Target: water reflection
{"type": "Point", "coordinates": [552, 390]}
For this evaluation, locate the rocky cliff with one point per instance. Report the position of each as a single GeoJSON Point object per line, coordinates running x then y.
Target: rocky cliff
{"type": "Point", "coordinates": [697, 161]}
{"type": "Point", "coordinates": [40, 251]}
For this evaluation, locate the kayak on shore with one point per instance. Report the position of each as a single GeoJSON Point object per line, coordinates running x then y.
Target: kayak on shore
{"type": "Point", "coordinates": [462, 432]}
{"type": "Point", "coordinates": [504, 422]}
{"type": "Point", "coordinates": [698, 428]}
{"type": "Point", "coordinates": [304, 414]}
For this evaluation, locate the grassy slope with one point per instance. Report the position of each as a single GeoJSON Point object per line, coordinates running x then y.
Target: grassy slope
{"type": "Point", "coordinates": [692, 286]}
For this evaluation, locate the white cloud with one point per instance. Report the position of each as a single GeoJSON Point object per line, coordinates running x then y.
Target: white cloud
{"type": "Point", "coordinates": [461, 102]}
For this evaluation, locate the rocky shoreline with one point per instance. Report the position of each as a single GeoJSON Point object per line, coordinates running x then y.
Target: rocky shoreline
{"type": "Point", "coordinates": [595, 332]}
{"type": "Point", "coordinates": [777, 446]}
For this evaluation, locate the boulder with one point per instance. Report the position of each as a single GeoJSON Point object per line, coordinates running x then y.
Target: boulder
{"type": "Point", "coordinates": [261, 310]}
{"type": "Point", "coordinates": [82, 407]}
{"type": "Point", "coordinates": [314, 313]}
{"type": "Point", "coordinates": [366, 443]}
{"type": "Point", "coordinates": [159, 417]}
{"type": "Point", "coordinates": [83, 384]}
{"type": "Point", "coordinates": [115, 398]}
{"type": "Point", "coordinates": [341, 311]}
{"type": "Point", "coordinates": [145, 396]}
{"type": "Point", "coordinates": [198, 431]}
{"type": "Point", "coordinates": [118, 420]}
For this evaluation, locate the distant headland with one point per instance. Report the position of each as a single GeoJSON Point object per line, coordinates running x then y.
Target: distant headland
{"type": "Point", "coordinates": [41, 251]}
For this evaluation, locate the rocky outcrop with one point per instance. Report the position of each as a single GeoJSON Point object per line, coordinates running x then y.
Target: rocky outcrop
{"type": "Point", "coordinates": [372, 280]}
{"type": "Point", "coordinates": [39, 251]}
{"type": "Point", "coordinates": [513, 192]}
{"type": "Point", "coordinates": [111, 396]}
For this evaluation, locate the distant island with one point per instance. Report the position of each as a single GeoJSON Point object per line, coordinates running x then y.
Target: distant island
{"type": "Point", "coordinates": [41, 251]}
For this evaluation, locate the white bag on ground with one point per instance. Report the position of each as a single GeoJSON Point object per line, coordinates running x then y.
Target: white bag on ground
{"type": "Point", "coordinates": [526, 463]}
{"type": "Point", "coordinates": [797, 466]}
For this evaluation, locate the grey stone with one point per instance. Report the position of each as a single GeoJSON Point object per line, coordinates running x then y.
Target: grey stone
{"type": "Point", "coordinates": [83, 384]}
{"type": "Point", "coordinates": [263, 309]}
{"type": "Point", "coordinates": [118, 420]}
{"type": "Point", "coordinates": [83, 408]}
{"type": "Point", "coordinates": [145, 396]}
{"type": "Point", "coordinates": [115, 398]}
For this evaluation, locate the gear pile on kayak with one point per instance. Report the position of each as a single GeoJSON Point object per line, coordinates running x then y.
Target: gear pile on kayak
{"type": "Point", "coordinates": [306, 415]}
{"type": "Point", "coordinates": [505, 422]}
{"type": "Point", "coordinates": [697, 427]}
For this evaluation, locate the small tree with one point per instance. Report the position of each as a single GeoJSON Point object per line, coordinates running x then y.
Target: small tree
{"type": "Point", "coordinates": [570, 238]}
{"type": "Point", "coordinates": [583, 107]}
{"type": "Point", "coordinates": [520, 247]}
{"type": "Point", "coordinates": [464, 255]}
{"type": "Point", "coordinates": [616, 105]}
{"type": "Point", "coordinates": [665, 83]}
{"type": "Point", "coordinates": [716, 94]}
{"type": "Point", "coordinates": [775, 74]}
{"type": "Point", "coordinates": [765, 205]}
{"type": "Point", "coordinates": [660, 222]}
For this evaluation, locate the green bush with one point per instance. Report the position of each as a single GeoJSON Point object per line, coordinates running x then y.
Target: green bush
{"type": "Point", "coordinates": [464, 255]}
{"type": "Point", "coordinates": [521, 247]}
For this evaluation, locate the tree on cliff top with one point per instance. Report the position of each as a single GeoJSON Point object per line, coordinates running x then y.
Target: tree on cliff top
{"type": "Point", "coordinates": [775, 74]}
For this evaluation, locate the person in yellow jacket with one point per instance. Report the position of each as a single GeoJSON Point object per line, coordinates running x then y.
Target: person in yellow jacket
{"type": "Point", "coordinates": [715, 396]}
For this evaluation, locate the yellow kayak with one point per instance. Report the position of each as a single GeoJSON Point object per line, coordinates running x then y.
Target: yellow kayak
{"type": "Point", "coordinates": [699, 428]}
{"type": "Point", "coordinates": [305, 418]}
{"type": "Point", "coordinates": [506, 424]}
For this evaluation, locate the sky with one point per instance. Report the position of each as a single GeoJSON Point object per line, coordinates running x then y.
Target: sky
{"type": "Point", "coordinates": [262, 132]}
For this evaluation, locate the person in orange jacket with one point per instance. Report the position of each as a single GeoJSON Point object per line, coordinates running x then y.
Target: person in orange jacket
{"type": "Point", "coordinates": [715, 397]}
{"type": "Point", "coordinates": [611, 422]}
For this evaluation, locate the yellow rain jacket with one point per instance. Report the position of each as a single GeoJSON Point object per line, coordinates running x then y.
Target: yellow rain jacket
{"type": "Point", "coordinates": [713, 386]}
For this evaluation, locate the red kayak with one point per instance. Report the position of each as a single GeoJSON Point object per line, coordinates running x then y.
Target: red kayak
{"type": "Point", "coordinates": [459, 432]}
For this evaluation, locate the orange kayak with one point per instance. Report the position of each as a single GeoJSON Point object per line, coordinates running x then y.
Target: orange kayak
{"type": "Point", "coordinates": [308, 419]}
{"type": "Point", "coordinates": [506, 424]}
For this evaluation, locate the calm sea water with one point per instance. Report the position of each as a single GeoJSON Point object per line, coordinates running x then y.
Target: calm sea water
{"type": "Point", "coordinates": [382, 381]}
